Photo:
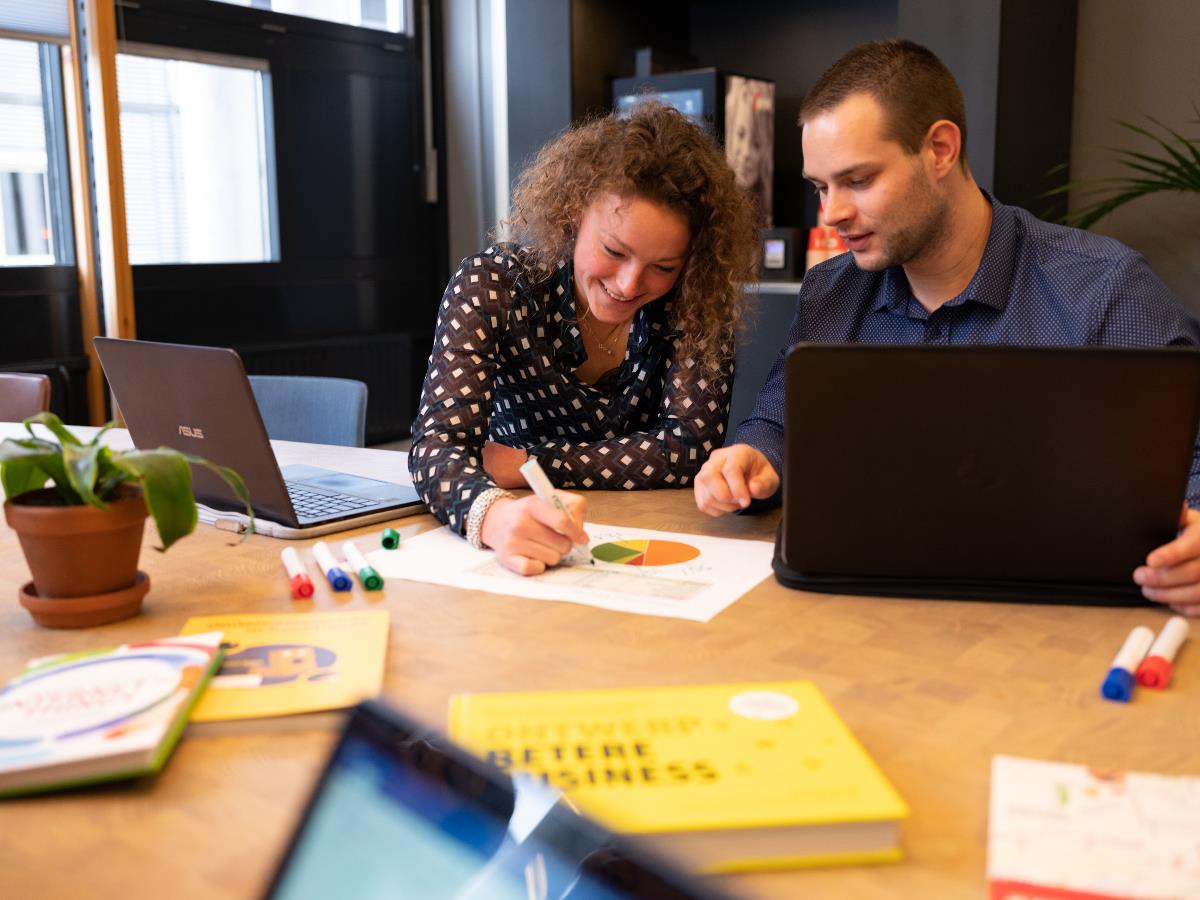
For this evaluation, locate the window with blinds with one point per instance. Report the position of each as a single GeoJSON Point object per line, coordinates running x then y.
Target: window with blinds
{"type": "Point", "coordinates": [198, 157]}
{"type": "Point", "coordinates": [25, 214]}
{"type": "Point", "coordinates": [382, 15]}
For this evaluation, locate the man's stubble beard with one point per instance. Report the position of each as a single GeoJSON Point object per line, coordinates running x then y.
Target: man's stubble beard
{"type": "Point", "coordinates": [923, 234]}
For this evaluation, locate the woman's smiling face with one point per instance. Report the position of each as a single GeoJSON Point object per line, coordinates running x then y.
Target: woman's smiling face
{"type": "Point", "coordinates": [629, 252]}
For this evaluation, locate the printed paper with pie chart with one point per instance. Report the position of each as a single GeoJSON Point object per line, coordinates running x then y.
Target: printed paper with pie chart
{"type": "Point", "coordinates": [645, 553]}
{"type": "Point", "coordinates": [658, 573]}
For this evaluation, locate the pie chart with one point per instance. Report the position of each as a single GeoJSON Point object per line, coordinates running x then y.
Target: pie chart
{"type": "Point", "coordinates": [645, 553]}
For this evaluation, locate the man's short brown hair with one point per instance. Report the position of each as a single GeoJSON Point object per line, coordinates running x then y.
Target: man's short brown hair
{"type": "Point", "coordinates": [912, 85]}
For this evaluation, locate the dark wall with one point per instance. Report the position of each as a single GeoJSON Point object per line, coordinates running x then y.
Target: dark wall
{"type": "Point", "coordinates": [967, 38]}
{"type": "Point", "coordinates": [604, 34]}
{"type": "Point", "coordinates": [790, 44]}
{"type": "Point", "coordinates": [539, 75]}
{"type": "Point", "coordinates": [1013, 58]}
{"type": "Point", "coordinates": [1015, 61]}
{"type": "Point", "coordinates": [1035, 103]}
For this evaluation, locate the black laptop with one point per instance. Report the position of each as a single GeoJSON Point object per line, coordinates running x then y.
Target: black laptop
{"type": "Point", "coordinates": [198, 400]}
{"type": "Point", "coordinates": [1004, 473]}
{"type": "Point", "coordinates": [401, 812]}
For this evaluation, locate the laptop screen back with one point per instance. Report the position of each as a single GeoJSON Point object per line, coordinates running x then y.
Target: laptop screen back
{"type": "Point", "coordinates": [197, 400]}
{"type": "Point", "coordinates": [1009, 463]}
{"type": "Point", "coordinates": [402, 813]}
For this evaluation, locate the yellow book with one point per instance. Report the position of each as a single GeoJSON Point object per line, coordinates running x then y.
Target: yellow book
{"type": "Point", "coordinates": [725, 778]}
{"type": "Point", "coordinates": [281, 665]}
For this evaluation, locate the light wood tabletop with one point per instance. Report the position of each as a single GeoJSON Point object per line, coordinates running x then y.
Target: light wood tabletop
{"type": "Point", "coordinates": [933, 689]}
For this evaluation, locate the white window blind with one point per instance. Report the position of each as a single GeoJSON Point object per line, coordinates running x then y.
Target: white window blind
{"type": "Point", "coordinates": [24, 200]}
{"type": "Point", "coordinates": [197, 158]}
{"type": "Point", "coordinates": [43, 19]}
{"type": "Point", "coordinates": [381, 15]}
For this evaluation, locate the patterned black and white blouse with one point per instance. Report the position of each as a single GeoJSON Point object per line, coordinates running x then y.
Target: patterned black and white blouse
{"type": "Point", "coordinates": [503, 369]}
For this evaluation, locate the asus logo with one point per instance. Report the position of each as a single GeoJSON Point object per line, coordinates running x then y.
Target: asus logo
{"type": "Point", "coordinates": [191, 432]}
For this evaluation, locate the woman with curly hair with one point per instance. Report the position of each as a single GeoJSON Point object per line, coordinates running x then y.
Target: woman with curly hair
{"type": "Point", "coordinates": [599, 339]}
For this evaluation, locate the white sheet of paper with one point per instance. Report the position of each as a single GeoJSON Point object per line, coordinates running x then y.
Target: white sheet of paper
{"type": "Point", "coordinates": [652, 573]}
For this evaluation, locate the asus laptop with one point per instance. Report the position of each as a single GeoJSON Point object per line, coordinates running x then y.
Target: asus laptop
{"type": "Point", "coordinates": [1004, 473]}
{"type": "Point", "coordinates": [198, 400]}
{"type": "Point", "coordinates": [401, 812]}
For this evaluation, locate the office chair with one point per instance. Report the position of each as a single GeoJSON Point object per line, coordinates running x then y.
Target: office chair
{"type": "Point", "coordinates": [23, 395]}
{"type": "Point", "coordinates": [312, 410]}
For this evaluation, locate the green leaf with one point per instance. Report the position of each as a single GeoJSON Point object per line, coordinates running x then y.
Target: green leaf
{"type": "Point", "coordinates": [57, 428]}
{"type": "Point", "coordinates": [235, 482]}
{"type": "Point", "coordinates": [18, 455]}
{"type": "Point", "coordinates": [166, 483]}
{"type": "Point", "coordinates": [19, 477]}
{"type": "Point", "coordinates": [82, 469]}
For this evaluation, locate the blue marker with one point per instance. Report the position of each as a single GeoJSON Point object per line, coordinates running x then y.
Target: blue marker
{"type": "Point", "coordinates": [1118, 685]}
{"type": "Point", "coordinates": [338, 579]}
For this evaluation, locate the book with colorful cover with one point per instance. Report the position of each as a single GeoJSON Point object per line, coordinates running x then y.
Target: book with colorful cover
{"type": "Point", "coordinates": [292, 663]}
{"type": "Point", "coordinates": [724, 777]}
{"type": "Point", "coordinates": [1061, 831]}
{"type": "Point", "coordinates": [101, 715]}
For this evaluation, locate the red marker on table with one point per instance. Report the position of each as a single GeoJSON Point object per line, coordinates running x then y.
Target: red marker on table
{"type": "Point", "coordinates": [1155, 670]}
{"type": "Point", "coordinates": [302, 585]}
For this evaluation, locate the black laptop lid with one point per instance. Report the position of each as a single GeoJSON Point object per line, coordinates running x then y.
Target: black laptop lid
{"type": "Point", "coordinates": [401, 812]}
{"type": "Point", "coordinates": [198, 400]}
{"type": "Point", "coordinates": [983, 471]}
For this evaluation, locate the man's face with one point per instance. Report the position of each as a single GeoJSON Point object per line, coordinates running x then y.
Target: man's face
{"type": "Point", "coordinates": [881, 199]}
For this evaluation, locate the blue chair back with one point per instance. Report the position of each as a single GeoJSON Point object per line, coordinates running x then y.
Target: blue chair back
{"type": "Point", "coordinates": [312, 410]}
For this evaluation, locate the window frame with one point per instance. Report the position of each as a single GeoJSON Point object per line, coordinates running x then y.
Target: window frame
{"type": "Point", "coordinates": [256, 64]}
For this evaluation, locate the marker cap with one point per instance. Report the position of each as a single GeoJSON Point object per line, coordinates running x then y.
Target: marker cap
{"type": "Point", "coordinates": [1118, 685]}
{"type": "Point", "coordinates": [1154, 672]}
{"type": "Point", "coordinates": [302, 586]}
{"type": "Point", "coordinates": [370, 579]}
{"type": "Point", "coordinates": [339, 579]}
{"type": "Point", "coordinates": [390, 539]}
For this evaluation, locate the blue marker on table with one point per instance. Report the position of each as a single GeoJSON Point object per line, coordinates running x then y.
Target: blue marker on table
{"type": "Point", "coordinates": [1118, 684]}
{"type": "Point", "coordinates": [338, 579]}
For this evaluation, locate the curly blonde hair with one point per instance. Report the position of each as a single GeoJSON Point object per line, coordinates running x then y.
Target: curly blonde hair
{"type": "Point", "coordinates": [656, 154]}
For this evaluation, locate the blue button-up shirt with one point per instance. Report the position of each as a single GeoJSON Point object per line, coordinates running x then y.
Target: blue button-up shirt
{"type": "Point", "coordinates": [1037, 284]}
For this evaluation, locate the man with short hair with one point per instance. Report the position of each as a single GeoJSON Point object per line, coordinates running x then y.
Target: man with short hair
{"type": "Point", "coordinates": [935, 259]}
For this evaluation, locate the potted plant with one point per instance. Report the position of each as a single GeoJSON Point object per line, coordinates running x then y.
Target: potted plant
{"type": "Point", "coordinates": [82, 537]}
{"type": "Point", "coordinates": [1173, 165]}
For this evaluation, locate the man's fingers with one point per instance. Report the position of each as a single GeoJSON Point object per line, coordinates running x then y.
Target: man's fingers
{"type": "Point", "coordinates": [1185, 595]}
{"type": "Point", "coordinates": [1175, 576]}
{"type": "Point", "coordinates": [733, 472]}
{"type": "Point", "coordinates": [764, 483]}
{"type": "Point", "coordinates": [712, 494]}
{"type": "Point", "coordinates": [1186, 546]}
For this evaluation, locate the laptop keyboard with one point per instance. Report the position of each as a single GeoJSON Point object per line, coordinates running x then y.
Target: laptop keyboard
{"type": "Point", "coordinates": [313, 505]}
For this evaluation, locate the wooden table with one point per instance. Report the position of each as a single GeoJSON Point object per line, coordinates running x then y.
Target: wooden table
{"type": "Point", "coordinates": [932, 689]}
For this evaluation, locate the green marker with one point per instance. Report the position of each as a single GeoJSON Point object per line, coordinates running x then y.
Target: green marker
{"type": "Point", "coordinates": [371, 579]}
{"type": "Point", "coordinates": [391, 539]}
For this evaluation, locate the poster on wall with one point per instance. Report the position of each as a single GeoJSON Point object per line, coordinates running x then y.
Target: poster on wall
{"type": "Point", "coordinates": [750, 138]}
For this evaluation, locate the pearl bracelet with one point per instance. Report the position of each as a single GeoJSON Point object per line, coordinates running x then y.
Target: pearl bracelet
{"type": "Point", "coordinates": [479, 510]}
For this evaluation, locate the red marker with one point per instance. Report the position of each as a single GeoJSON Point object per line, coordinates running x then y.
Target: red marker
{"type": "Point", "coordinates": [302, 585]}
{"type": "Point", "coordinates": [1155, 670]}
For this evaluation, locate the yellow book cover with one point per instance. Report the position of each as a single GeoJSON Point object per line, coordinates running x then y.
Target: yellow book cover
{"type": "Point", "coordinates": [724, 777]}
{"type": "Point", "coordinates": [280, 665]}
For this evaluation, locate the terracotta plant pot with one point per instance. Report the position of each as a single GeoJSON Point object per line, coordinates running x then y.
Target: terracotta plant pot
{"type": "Point", "coordinates": [81, 551]}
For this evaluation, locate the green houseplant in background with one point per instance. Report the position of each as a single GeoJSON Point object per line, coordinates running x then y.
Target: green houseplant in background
{"type": "Point", "coordinates": [82, 537]}
{"type": "Point", "coordinates": [1173, 165]}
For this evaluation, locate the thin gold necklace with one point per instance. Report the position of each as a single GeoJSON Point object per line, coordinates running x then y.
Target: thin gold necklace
{"type": "Point", "coordinates": [603, 344]}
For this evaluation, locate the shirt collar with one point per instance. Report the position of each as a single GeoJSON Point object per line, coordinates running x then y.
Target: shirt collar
{"type": "Point", "coordinates": [989, 284]}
